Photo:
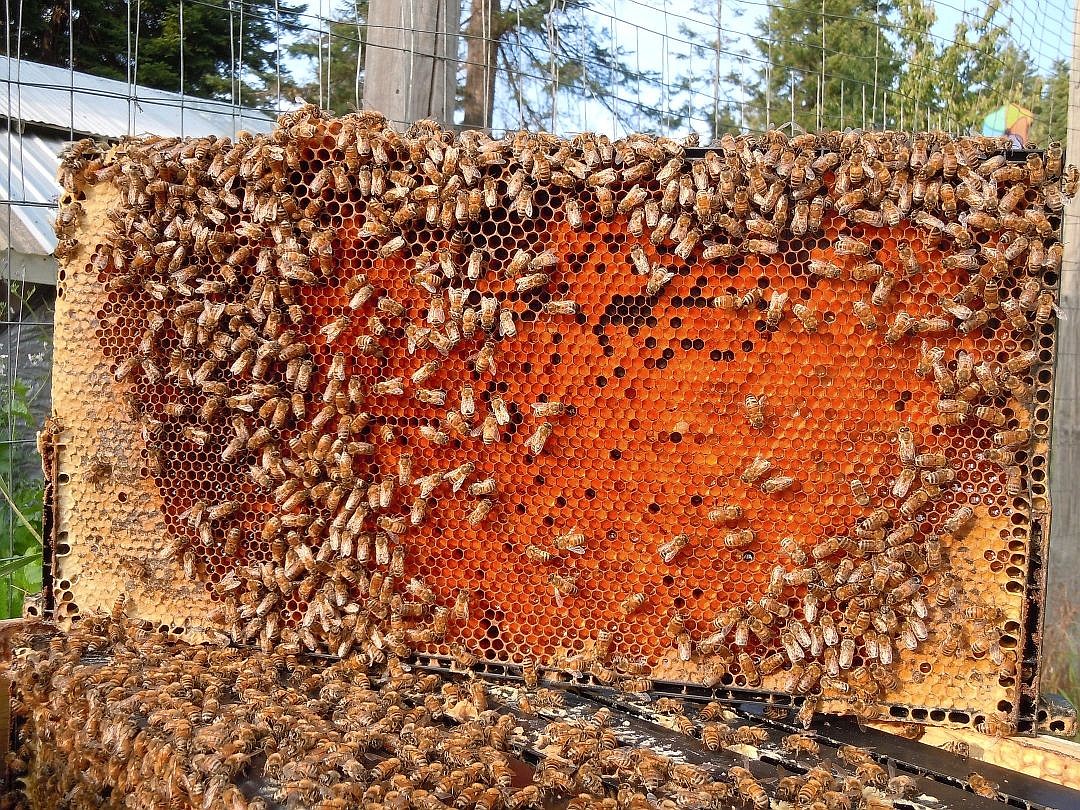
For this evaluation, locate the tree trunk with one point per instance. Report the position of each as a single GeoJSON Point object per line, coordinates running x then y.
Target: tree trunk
{"type": "Point", "coordinates": [411, 60]}
{"type": "Point", "coordinates": [482, 49]}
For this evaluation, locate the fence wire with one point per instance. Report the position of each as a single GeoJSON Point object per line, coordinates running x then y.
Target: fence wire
{"type": "Point", "coordinates": [199, 67]}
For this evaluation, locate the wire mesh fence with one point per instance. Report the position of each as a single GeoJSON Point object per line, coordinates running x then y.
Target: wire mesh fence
{"type": "Point", "coordinates": [112, 68]}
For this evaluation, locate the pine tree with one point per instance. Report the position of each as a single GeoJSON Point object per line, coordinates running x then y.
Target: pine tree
{"type": "Point", "coordinates": [335, 55]}
{"type": "Point", "coordinates": [849, 45]}
{"type": "Point", "coordinates": [117, 39]}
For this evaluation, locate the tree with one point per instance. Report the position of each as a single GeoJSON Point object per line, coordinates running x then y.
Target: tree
{"type": "Point", "coordinates": [1052, 105]}
{"type": "Point", "coordinates": [522, 56]}
{"type": "Point", "coordinates": [106, 36]}
{"type": "Point", "coordinates": [706, 93]}
{"type": "Point", "coordinates": [811, 60]}
{"type": "Point", "coordinates": [336, 55]}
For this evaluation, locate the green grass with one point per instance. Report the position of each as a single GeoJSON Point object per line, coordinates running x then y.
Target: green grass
{"type": "Point", "coordinates": [21, 504]}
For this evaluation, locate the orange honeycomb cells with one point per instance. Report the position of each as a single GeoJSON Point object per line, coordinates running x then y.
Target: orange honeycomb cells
{"type": "Point", "coordinates": [383, 377]}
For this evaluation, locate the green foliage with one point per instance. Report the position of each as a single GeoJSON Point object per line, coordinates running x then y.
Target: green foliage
{"type": "Point", "coordinates": [336, 58]}
{"type": "Point", "coordinates": [103, 33]}
{"type": "Point", "coordinates": [21, 506]}
{"type": "Point", "coordinates": [822, 54]}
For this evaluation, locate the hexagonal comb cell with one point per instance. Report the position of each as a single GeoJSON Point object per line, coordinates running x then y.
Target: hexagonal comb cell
{"type": "Point", "coordinates": [772, 416]}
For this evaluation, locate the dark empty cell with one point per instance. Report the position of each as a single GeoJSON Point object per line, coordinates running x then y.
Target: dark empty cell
{"type": "Point", "coordinates": [598, 330]}
{"type": "Point", "coordinates": [632, 331]}
{"type": "Point", "coordinates": [539, 480]}
{"type": "Point", "coordinates": [619, 372]}
{"type": "Point", "coordinates": [556, 338]}
{"type": "Point", "coordinates": [675, 437]}
{"type": "Point", "coordinates": [654, 507]}
{"type": "Point", "coordinates": [589, 247]}
{"type": "Point", "coordinates": [667, 353]}
{"type": "Point", "coordinates": [601, 268]}
{"type": "Point", "coordinates": [763, 283]}
{"type": "Point", "coordinates": [526, 367]}
{"type": "Point", "coordinates": [661, 363]}
{"type": "Point", "coordinates": [687, 344]}
{"type": "Point", "coordinates": [696, 500]}
{"type": "Point", "coordinates": [899, 405]}
{"type": "Point", "coordinates": [905, 396]}
{"type": "Point", "coordinates": [601, 382]}
{"type": "Point", "coordinates": [603, 340]}
{"type": "Point", "coordinates": [608, 351]}
{"type": "Point", "coordinates": [716, 355]}
{"type": "Point", "coordinates": [590, 493]}
{"type": "Point", "coordinates": [528, 316]}
{"type": "Point", "coordinates": [560, 501]}
{"type": "Point", "coordinates": [733, 270]}
{"type": "Point", "coordinates": [580, 318]}
{"type": "Point", "coordinates": [676, 323]}
{"type": "Point", "coordinates": [748, 346]}
{"type": "Point", "coordinates": [549, 521]}
{"type": "Point", "coordinates": [702, 281]}
{"type": "Point", "coordinates": [676, 301]}
{"type": "Point", "coordinates": [695, 291]}
{"type": "Point", "coordinates": [698, 344]}
{"type": "Point", "coordinates": [650, 342]}
{"type": "Point", "coordinates": [556, 359]}
{"type": "Point", "coordinates": [615, 455]}
{"type": "Point", "coordinates": [650, 322]}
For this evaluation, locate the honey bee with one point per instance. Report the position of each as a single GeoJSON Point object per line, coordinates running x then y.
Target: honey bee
{"type": "Point", "coordinates": [792, 548]}
{"type": "Point", "coordinates": [824, 269]}
{"type": "Point", "coordinates": [480, 511]}
{"type": "Point", "coordinates": [756, 470]}
{"type": "Point", "coordinates": [982, 786]}
{"type": "Point", "coordinates": [749, 789]}
{"type": "Point", "coordinates": [806, 317]}
{"type": "Point", "coordinates": [633, 603]}
{"type": "Point", "coordinates": [484, 487]}
{"type": "Point", "coordinates": [865, 315]}
{"type": "Point", "coordinates": [725, 513]}
{"type": "Point", "coordinates": [536, 442]}
{"type": "Point", "coordinates": [883, 289]}
{"type": "Point", "coordinates": [739, 539]}
{"type": "Point", "coordinates": [755, 410]}
{"type": "Point", "coordinates": [858, 491]}
{"type": "Point", "coordinates": [537, 554]}
{"type": "Point", "coordinates": [573, 542]}
{"type": "Point", "coordinates": [658, 279]}
{"type": "Point", "coordinates": [777, 483]}
{"type": "Point", "coordinates": [775, 311]}
{"type": "Point", "coordinates": [669, 550]}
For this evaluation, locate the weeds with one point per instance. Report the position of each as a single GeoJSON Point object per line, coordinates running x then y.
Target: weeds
{"type": "Point", "coordinates": [21, 505]}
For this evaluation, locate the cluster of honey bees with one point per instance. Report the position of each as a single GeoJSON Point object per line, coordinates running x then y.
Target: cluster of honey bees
{"type": "Point", "coordinates": [116, 713]}
{"type": "Point", "coordinates": [348, 384]}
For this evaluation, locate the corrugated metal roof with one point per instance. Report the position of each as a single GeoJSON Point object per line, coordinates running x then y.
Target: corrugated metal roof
{"type": "Point", "coordinates": [55, 97]}
{"type": "Point", "coordinates": [28, 165]}
{"type": "Point", "coordinates": [46, 103]}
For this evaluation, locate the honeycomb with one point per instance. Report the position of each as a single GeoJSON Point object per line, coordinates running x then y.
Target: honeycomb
{"type": "Point", "coordinates": [771, 416]}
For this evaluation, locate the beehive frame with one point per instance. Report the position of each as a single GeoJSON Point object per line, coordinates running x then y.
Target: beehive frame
{"type": "Point", "coordinates": [609, 375]}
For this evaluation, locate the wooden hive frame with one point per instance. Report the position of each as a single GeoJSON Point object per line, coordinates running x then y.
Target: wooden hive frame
{"type": "Point", "coordinates": [609, 307]}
